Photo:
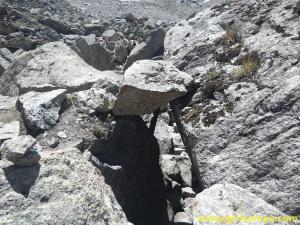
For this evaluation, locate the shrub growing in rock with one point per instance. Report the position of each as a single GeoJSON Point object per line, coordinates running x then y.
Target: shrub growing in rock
{"type": "Point", "coordinates": [249, 66]}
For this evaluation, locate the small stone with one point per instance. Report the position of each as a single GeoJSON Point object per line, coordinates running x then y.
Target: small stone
{"type": "Point", "coordinates": [182, 217]}
{"type": "Point", "coordinates": [62, 135]}
{"type": "Point", "coordinates": [53, 142]}
{"type": "Point", "coordinates": [187, 192]}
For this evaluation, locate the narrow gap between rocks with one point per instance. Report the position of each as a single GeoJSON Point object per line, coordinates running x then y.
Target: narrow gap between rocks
{"type": "Point", "coordinates": [129, 160]}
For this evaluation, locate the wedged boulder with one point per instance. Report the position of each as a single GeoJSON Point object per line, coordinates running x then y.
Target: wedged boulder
{"type": "Point", "coordinates": [177, 168]}
{"type": "Point", "coordinates": [223, 200]}
{"type": "Point", "coordinates": [62, 182]}
{"type": "Point", "coordinates": [149, 85]}
{"type": "Point", "coordinates": [94, 53]}
{"type": "Point", "coordinates": [51, 66]}
{"type": "Point", "coordinates": [153, 46]}
{"type": "Point", "coordinates": [21, 151]}
{"type": "Point", "coordinates": [40, 110]}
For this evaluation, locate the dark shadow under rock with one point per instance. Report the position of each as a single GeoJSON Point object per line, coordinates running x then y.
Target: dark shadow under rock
{"type": "Point", "coordinates": [129, 156]}
{"type": "Point", "coordinates": [22, 179]}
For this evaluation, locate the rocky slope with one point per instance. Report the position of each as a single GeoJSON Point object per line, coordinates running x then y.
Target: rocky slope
{"type": "Point", "coordinates": [130, 120]}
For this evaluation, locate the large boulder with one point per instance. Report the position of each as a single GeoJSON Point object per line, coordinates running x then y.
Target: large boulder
{"type": "Point", "coordinates": [149, 85]}
{"type": "Point", "coordinates": [243, 126]}
{"type": "Point", "coordinates": [153, 46]}
{"type": "Point", "coordinates": [223, 201]}
{"type": "Point", "coordinates": [94, 53]}
{"type": "Point", "coordinates": [51, 66]}
{"type": "Point", "coordinates": [63, 189]}
{"type": "Point", "coordinates": [40, 110]}
{"type": "Point", "coordinates": [21, 151]}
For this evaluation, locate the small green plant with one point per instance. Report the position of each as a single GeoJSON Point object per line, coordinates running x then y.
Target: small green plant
{"type": "Point", "coordinates": [249, 67]}
{"type": "Point", "coordinates": [213, 75]}
{"type": "Point", "coordinates": [98, 131]}
{"type": "Point", "coordinates": [230, 37]}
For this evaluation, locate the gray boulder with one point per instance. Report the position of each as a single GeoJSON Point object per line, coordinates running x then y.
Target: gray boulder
{"type": "Point", "coordinates": [149, 85]}
{"type": "Point", "coordinates": [57, 191]}
{"type": "Point", "coordinates": [228, 199]}
{"type": "Point", "coordinates": [4, 64]}
{"type": "Point", "coordinates": [94, 53]}
{"type": "Point", "coordinates": [153, 46]}
{"type": "Point", "coordinates": [9, 118]}
{"type": "Point", "coordinates": [21, 151]}
{"type": "Point", "coordinates": [58, 26]}
{"type": "Point", "coordinates": [40, 110]}
{"type": "Point", "coordinates": [49, 67]}
{"type": "Point", "coordinates": [177, 168]}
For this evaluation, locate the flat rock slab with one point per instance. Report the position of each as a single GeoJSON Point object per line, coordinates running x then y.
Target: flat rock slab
{"type": "Point", "coordinates": [51, 66]}
{"type": "Point", "coordinates": [9, 130]}
{"type": "Point", "coordinates": [222, 200]}
{"type": "Point", "coordinates": [149, 85]}
{"type": "Point", "coordinates": [40, 110]}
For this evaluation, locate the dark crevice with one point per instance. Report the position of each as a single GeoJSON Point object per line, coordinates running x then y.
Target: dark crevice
{"type": "Point", "coordinates": [129, 160]}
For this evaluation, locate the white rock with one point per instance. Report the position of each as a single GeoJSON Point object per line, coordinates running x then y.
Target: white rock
{"type": "Point", "coordinates": [62, 135]}
{"type": "Point", "coordinates": [40, 111]}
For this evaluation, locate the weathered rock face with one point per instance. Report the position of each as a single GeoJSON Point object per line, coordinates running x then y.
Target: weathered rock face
{"type": "Point", "coordinates": [153, 46]}
{"type": "Point", "coordinates": [40, 110]}
{"type": "Point", "coordinates": [149, 85]}
{"type": "Point", "coordinates": [243, 121]}
{"type": "Point", "coordinates": [62, 182]}
{"type": "Point", "coordinates": [21, 151]}
{"type": "Point", "coordinates": [228, 199]}
{"type": "Point", "coordinates": [49, 67]}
